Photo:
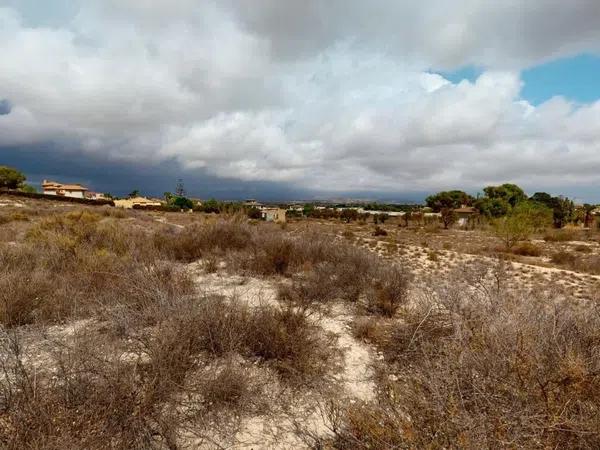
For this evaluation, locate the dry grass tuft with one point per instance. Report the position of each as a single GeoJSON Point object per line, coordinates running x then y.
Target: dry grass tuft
{"type": "Point", "coordinates": [527, 249]}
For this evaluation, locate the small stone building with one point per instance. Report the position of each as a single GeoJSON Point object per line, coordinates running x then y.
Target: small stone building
{"type": "Point", "coordinates": [273, 214]}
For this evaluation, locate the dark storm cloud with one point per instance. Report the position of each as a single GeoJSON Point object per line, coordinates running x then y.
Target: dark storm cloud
{"type": "Point", "coordinates": [5, 107]}
{"type": "Point", "coordinates": [46, 162]}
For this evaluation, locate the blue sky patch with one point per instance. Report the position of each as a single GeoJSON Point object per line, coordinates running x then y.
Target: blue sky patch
{"type": "Point", "coordinates": [576, 78]}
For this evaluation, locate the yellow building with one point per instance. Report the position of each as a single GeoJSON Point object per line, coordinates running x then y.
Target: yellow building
{"type": "Point", "coordinates": [129, 203]}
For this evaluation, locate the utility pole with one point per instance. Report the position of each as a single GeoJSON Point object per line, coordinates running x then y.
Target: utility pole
{"type": "Point", "coordinates": [180, 190]}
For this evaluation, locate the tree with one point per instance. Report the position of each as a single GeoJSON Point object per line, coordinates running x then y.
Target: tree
{"type": "Point", "coordinates": [348, 215]}
{"type": "Point", "coordinates": [512, 193]}
{"type": "Point", "coordinates": [543, 198]}
{"type": "Point", "coordinates": [135, 193]}
{"type": "Point", "coordinates": [11, 178]}
{"type": "Point", "coordinates": [182, 203]}
{"type": "Point", "coordinates": [563, 211]}
{"type": "Point", "coordinates": [211, 206]}
{"type": "Point", "coordinates": [381, 218]}
{"type": "Point", "coordinates": [562, 208]}
{"type": "Point", "coordinates": [492, 207]}
{"type": "Point", "coordinates": [254, 213]}
{"type": "Point", "coordinates": [512, 229]}
{"type": "Point", "coordinates": [538, 214]}
{"type": "Point", "coordinates": [308, 210]}
{"type": "Point", "coordinates": [448, 217]}
{"type": "Point", "coordinates": [448, 199]}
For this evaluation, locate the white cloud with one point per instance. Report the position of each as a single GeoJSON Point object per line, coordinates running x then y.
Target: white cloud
{"type": "Point", "coordinates": [329, 95]}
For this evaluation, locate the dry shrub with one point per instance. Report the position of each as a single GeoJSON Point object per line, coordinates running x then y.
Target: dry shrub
{"type": "Point", "coordinates": [473, 365]}
{"type": "Point", "coordinates": [564, 235]}
{"type": "Point", "coordinates": [563, 258]}
{"type": "Point", "coordinates": [347, 234]}
{"type": "Point", "coordinates": [15, 216]}
{"type": "Point", "coordinates": [284, 338]}
{"type": "Point", "coordinates": [388, 291]}
{"type": "Point", "coordinates": [77, 264]}
{"type": "Point", "coordinates": [194, 241]}
{"type": "Point", "coordinates": [378, 231]}
{"type": "Point", "coordinates": [349, 274]}
{"type": "Point", "coordinates": [272, 253]}
{"type": "Point", "coordinates": [227, 386]}
{"type": "Point", "coordinates": [527, 249]}
{"type": "Point", "coordinates": [582, 248]}
{"type": "Point", "coordinates": [367, 329]}
{"type": "Point", "coordinates": [87, 402]}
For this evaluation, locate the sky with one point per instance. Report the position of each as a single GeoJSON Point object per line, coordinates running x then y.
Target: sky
{"type": "Point", "coordinates": [273, 99]}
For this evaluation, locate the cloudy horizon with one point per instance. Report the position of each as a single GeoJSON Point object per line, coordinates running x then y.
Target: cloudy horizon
{"type": "Point", "coordinates": [283, 99]}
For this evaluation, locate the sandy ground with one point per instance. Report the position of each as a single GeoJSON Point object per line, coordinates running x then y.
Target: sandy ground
{"type": "Point", "coordinates": [290, 426]}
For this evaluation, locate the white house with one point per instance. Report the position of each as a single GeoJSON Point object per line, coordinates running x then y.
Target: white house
{"type": "Point", "coordinates": [64, 190]}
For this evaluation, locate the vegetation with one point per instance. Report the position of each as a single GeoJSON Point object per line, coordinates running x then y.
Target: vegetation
{"type": "Point", "coordinates": [448, 200]}
{"type": "Point", "coordinates": [11, 178]}
{"type": "Point", "coordinates": [510, 383]}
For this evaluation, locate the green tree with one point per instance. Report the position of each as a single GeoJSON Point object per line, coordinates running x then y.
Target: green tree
{"type": "Point", "coordinates": [511, 193]}
{"type": "Point", "coordinates": [11, 178]}
{"type": "Point", "coordinates": [492, 207]}
{"type": "Point", "coordinates": [543, 198]}
{"type": "Point", "coordinates": [211, 206]}
{"type": "Point", "coordinates": [563, 211]}
{"type": "Point", "coordinates": [182, 203]}
{"type": "Point", "coordinates": [448, 199]}
{"type": "Point", "coordinates": [134, 193]}
{"type": "Point", "coordinates": [538, 214]}
{"type": "Point", "coordinates": [512, 229]}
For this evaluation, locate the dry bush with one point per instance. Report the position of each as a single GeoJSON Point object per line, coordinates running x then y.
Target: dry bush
{"type": "Point", "coordinates": [564, 235]}
{"type": "Point", "coordinates": [87, 402]}
{"type": "Point", "coordinates": [75, 264]}
{"type": "Point", "coordinates": [227, 386]}
{"type": "Point", "coordinates": [527, 249]}
{"type": "Point", "coordinates": [564, 258]}
{"type": "Point", "coordinates": [473, 365]}
{"type": "Point", "coordinates": [367, 329]}
{"type": "Point", "coordinates": [177, 363]}
{"type": "Point", "coordinates": [378, 231]}
{"type": "Point", "coordinates": [271, 254]}
{"type": "Point", "coordinates": [389, 287]}
{"type": "Point", "coordinates": [347, 274]}
{"type": "Point", "coordinates": [194, 241]}
{"type": "Point", "coordinates": [15, 216]}
{"type": "Point", "coordinates": [583, 248]}
{"type": "Point", "coordinates": [284, 338]}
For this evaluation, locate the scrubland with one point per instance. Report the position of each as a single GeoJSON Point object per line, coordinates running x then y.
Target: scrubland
{"type": "Point", "coordinates": [149, 330]}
